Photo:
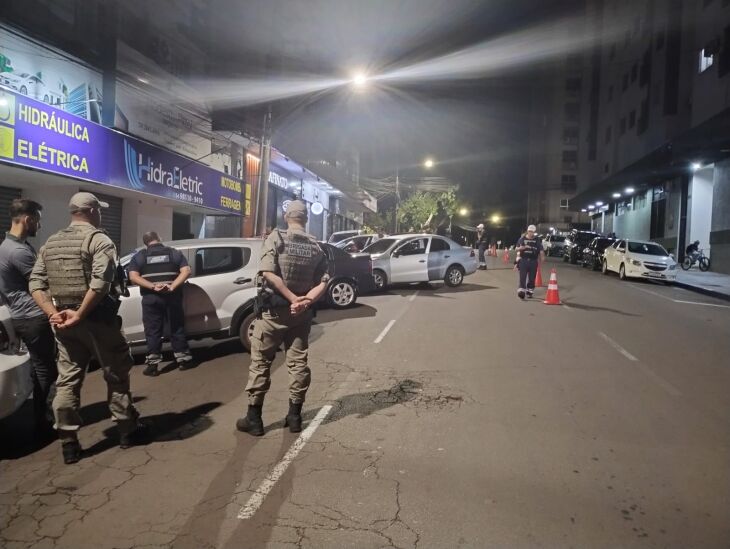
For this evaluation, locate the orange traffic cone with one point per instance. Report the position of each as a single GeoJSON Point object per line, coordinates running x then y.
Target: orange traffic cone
{"type": "Point", "coordinates": [505, 256]}
{"type": "Point", "coordinates": [538, 278]}
{"type": "Point", "coordinates": [552, 297]}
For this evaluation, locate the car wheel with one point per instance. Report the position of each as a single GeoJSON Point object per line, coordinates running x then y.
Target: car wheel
{"type": "Point", "coordinates": [342, 294]}
{"type": "Point", "coordinates": [622, 272]}
{"type": "Point", "coordinates": [454, 276]}
{"type": "Point", "coordinates": [245, 330]}
{"type": "Point", "coordinates": [604, 267]}
{"type": "Point", "coordinates": [380, 280]}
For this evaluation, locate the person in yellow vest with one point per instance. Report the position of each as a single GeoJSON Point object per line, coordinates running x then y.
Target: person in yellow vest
{"type": "Point", "coordinates": [76, 283]}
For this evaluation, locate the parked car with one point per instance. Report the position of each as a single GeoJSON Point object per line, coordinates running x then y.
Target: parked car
{"type": "Point", "coordinates": [639, 259]}
{"type": "Point", "coordinates": [355, 244]}
{"type": "Point", "coordinates": [218, 297]}
{"type": "Point", "coordinates": [553, 244]}
{"type": "Point", "coordinates": [420, 258]}
{"type": "Point", "coordinates": [342, 235]}
{"type": "Point", "coordinates": [575, 243]}
{"type": "Point", "coordinates": [592, 255]}
{"type": "Point", "coordinates": [351, 275]}
{"type": "Point", "coordinates": [15, 369]}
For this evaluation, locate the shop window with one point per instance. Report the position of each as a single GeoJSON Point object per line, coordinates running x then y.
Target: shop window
{"type": "Point", "coordinates": [210, 261]}
{"type": "Point", "coordinates": [658, 219]}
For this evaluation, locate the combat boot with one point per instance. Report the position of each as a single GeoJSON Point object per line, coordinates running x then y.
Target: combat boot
{"type": "Point", "coordinates": [153, 361]}
{"type": "Point", "coordinates": [252, 423]}
{"type": "Point", "coordinates": [293, 419]}
{"type": "Point", "coordinates": [71, 451]}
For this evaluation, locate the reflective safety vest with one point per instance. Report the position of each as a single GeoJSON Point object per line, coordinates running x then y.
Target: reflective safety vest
{"type": "Point", "coordinates": [157, 265]}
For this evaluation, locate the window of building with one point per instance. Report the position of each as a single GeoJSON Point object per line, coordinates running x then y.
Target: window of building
{"type": "Point", "coordinates": [572, 112]}
{"type": "Point", "coordinates": [622, 125]}
{"type": "Point", "coordinates": [610, 93]}
{"type": "Point", "coordinates": [634, 73]}
{"type": "Point", "coordinates": [570, 156]}
{"type": "Point", "coordinates": [608, 135]}
{"type": "Point", "coordinates": [706, 60]}
{"type": "Point", "coordinates": [564, 203]}
{"type": "Point", "coordinates": [632, 119]}
{"type": "Point", "coordinates": [573, 85]}
{"type": "Point", "coordinates": [568, 183]}
{"type": "Point", "coordinates": [570, 136]}
{"type": "Point", "coordinates": [625, 83]}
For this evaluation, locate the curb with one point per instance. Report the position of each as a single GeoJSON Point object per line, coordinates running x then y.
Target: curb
{"type": "Point", "coordinates": [701, 290]}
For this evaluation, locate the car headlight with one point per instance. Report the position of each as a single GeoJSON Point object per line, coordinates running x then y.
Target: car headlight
{"type": "Point", "coordinates": [673, 266]}
{"type": "Point", "coordinates": [636, 262]}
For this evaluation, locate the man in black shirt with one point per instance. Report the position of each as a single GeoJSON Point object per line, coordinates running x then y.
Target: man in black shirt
{"type": "Point", "coordinates": [160, 272]}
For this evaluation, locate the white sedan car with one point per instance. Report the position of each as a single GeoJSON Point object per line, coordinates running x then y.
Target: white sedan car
{"type": "Point", "coordinates": [15, 381]}
{"type": "Point", "coordinates": [420, 258]}
{"type": "Point", "coordinates": [639, 259]}
{"type": "Point", "coordinates": [217, 298]}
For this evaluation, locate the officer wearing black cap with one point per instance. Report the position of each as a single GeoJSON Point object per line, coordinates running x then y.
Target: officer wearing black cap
{"type": "Point", "coordinates": [160, 272]}
{"type": "Point", "coordinates": [294, 270]}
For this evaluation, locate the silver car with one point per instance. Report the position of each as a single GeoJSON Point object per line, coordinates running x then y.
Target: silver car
{"type": "Point", "coordinates": [15, 381]}
{"type": "Point", "coordinates": [217, 298]}
{"type": "Point", "coordinates": [420, 258]}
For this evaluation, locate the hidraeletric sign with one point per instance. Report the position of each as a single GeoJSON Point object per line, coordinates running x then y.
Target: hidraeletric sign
{"type": "Point", "coordinates": [39, 136]}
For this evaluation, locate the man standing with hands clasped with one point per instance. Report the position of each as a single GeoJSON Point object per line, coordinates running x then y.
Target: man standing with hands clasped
{"type": "Point", "coordinates": [529, 253]}
{"type": "Point", "coordinates": [294, 272]}
{"type": "Point", "coordinates": [160, 272]}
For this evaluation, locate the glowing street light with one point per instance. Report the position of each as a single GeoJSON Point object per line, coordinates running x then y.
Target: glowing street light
{"type": "Point", "coordinates": [428, 163]}
{"type": "Point", "coordinates": [463, 212]}
{"type": "Point", "coordinates": [591, 207]}
{"type": "Point", "coordinates": [629, 190]}
{"type": "Point", "coordinates": [496, 219]}
{"type": "Point", "coordinates": [599, 203]}
{"type": "Point", "coordinates": [359, 80]}
{"type": "Point", "coordinates": [616, 195]}
{"type": "Point", "coordinates": [696, 166]}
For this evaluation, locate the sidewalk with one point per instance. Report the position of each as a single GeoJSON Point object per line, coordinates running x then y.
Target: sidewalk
{"type": "Point", "coordinates": [709, 283]}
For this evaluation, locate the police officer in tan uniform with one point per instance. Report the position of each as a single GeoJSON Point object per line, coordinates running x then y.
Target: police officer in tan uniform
{"type": "Point", "coordinates": [75, 282]}
{"type": "Point", "coordinates": [294, 271]}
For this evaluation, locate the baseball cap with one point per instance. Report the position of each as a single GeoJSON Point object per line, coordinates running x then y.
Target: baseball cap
{"type": "Point", "coordinates": [480, 226]}
{"type": "Point", "coordinates": [296, 208]}
{"type": "Point", "coordinates": [85, 201]}
{"type": "Point", "coordinates": [532, 228]}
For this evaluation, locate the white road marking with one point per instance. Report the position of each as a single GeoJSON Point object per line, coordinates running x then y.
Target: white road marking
{"type": "Point", "coordinates": [257, 499]}
{"type": "Point", "coordinates": [663, 383]}
{"type": "Point", "coordinates": [618, 347]}
{"type": "Point", "coordinates": [681, 300]}
{"type": "Point", "coordinates": [413, 297]}
{"type": "Point", "coordinates": [384, 332]}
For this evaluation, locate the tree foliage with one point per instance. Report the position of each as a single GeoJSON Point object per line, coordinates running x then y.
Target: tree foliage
{"type": "Point", "coordinates": [415, 210]}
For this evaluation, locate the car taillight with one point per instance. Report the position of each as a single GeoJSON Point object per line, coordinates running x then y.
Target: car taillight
{"type": "Point", "coordinates": [4, 338]}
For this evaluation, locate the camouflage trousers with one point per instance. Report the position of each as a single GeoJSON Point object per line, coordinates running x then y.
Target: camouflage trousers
{"type": "Point", "coordinates": [275, 327]}
{"type": "Point", "coordinates": [79, 344]}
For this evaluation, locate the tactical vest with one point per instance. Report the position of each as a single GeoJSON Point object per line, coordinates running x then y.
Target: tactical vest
{"type": "Point", "coordinates": [299, 256]}
{"type": "Point", "coordinates": [68, 263]}
{"type": "Point", "coordinates": [532, 248]}
{"type": "Point", "coordinates": [157, 265]}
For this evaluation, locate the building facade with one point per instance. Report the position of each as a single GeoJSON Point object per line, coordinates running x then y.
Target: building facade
{"type": "Point", "coordinates": [658, 115]}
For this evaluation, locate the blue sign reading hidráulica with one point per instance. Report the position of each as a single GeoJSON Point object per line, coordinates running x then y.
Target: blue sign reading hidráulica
{"type": "Point", "coordinates": [39, 136]}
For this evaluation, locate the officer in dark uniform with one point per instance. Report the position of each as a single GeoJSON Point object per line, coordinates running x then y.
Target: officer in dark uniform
{"type": "Point", "coordinates": [160, 272]}
{"type": "Point", "coordinates": [482, 244]}
{"type": "Point", "coordinates": [294, 272]}
{"type": "Point", "coordinates": [529, 253]}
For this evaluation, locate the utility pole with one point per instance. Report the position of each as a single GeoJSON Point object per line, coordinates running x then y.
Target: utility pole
{"type": "Point", "coordinates": [262, 195]}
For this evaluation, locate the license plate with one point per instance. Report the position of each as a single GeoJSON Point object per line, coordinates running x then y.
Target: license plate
{"type": "Point", "coordinates": [654, 274]}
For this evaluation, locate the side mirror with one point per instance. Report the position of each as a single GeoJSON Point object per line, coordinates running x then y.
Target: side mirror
{"type": "Point", "coordinates": [672, 256]}
{"type": "Point", "coordinates": [395, 254]}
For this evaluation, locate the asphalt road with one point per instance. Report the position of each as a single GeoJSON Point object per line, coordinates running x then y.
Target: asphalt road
{"type": "Point", "coordinates": [444, 418]}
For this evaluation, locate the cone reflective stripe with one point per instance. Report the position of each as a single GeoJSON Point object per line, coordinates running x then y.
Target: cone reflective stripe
{"type": "Point", "coordinates": [538, 279]}
{"type": "Point", "coordinates": [552, 297]}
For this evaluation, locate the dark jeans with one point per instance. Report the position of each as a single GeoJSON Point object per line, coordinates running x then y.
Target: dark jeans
{"type": "Point", "coordinates": [38, 337]}
{"type": "Point", "coordinates": [528, 272]}
{"type": "Point", "coordinates": [155, 309]}
{"type": "Point", "coordinates": [482, 247]}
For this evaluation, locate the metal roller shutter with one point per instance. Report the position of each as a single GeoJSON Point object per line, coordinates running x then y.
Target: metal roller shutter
{"type": "Point", "coordinates": [111, 218]}
{"type": "Point", "coordinates": [7, 195]}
